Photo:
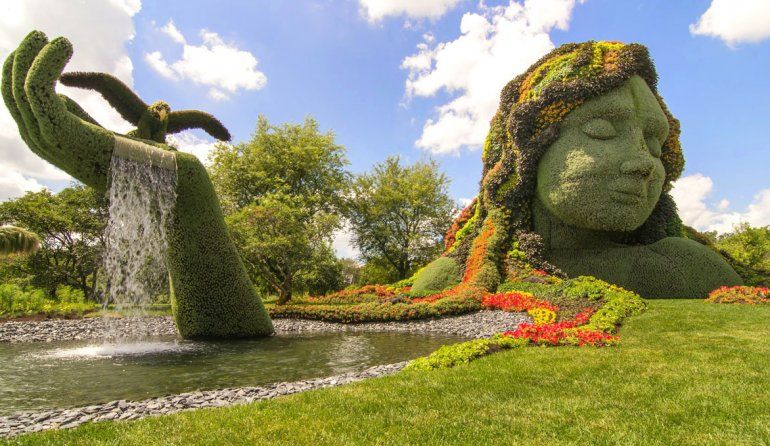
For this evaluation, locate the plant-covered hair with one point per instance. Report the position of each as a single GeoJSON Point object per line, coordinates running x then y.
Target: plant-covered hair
{"type": "Point", "coordinates": [532, 107]}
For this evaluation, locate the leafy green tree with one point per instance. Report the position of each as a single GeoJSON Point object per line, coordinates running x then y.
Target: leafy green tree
{"type": "Point", "coordinates": [70, 226]}
{"type": "Point", "coordinates": [281, 243]}
{"type": "Point", "coordinates": [293, 159]}
{"type": "Point", "coordinates": [749, 245]}
{"type": "Point", "coordinates": [282, 192]}
{"type": "Point", "coordinates": [398, 214]}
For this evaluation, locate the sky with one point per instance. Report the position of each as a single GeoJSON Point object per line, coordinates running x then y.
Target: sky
{"type": "Point", "coordinates": [415, 78]}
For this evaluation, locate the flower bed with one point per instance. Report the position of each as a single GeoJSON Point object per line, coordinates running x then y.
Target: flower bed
{"type": "Point", "coordinates": [589, 327]}
{"type": "Point", "coordinates": [739, 295]}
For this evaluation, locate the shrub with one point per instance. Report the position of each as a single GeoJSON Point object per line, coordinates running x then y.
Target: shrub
{"type": "Point", "coordinates": [437, 276]}
{"type": "Point", "coordinates": [739, 295]}
{"type": "Point", "coordinates": [17, 301]}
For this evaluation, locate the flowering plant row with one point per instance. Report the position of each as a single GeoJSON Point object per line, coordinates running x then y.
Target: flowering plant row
{"type": "Point", "coordinates": [589, 327]}
{"type": "Point", "coordinates": [739, 295]}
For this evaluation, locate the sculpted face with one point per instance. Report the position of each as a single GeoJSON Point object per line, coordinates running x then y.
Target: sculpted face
{"type": "Point", "coordinates": [604, 172]}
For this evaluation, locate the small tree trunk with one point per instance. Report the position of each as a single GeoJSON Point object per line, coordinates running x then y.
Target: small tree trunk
{"type": "Point", "coordinates": [284, 294]}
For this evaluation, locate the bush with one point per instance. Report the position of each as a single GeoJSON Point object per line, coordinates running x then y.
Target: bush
{"type": "Point", "coordinates": [378, 311]}
{"type": "Point", "coordinates": [438, 275]}
{"type": "Point", "coordinates": [739, 295]}
{"type": "Point", "coordinates": [16, 301]}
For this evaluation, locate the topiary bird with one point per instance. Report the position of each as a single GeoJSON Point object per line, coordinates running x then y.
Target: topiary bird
{"type": "Point", "coordinates": [153, 122]}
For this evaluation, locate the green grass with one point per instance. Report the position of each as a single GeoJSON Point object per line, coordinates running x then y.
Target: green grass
{"type": "Point", "coordinates": [687, 372]}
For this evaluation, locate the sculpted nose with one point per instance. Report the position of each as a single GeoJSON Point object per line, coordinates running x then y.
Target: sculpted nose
{"type": "Point", "coordinates": [638, 166]}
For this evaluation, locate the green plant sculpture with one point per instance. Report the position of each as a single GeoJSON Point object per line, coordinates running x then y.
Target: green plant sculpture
{"type": "Point", "coordinates": [15, 240]}
{"type": "Point", "coordinates": [212, 296]}
{"type": "Point", "coordinates": [577, 168]}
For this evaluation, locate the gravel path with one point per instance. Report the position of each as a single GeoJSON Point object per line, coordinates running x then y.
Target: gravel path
{"type": "Point", "coordinates": [474, 325]}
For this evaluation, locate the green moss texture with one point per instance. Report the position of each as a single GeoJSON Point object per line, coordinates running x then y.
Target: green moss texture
{"type": "Point", "coordinates": [212, 294]}
{"type": "Point", "coordinates": [577, 169]}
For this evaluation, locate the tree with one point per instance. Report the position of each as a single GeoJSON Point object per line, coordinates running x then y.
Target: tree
{"type": "Point", "coordinates": [292, 159]}
{"type": "Point", "coordinates": [281, 243]}
{"type": "Point", "coordinates": [283, 191]}
{"type": "Point", "coordinates": [749, 245]}
{"type": "Point", "coordinates": [399, 213]}
{"type": "Point", "coordinates": [70, 225]}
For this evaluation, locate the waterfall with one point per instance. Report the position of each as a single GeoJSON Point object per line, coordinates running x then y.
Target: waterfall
{"type": "Point", "coordinates": [142, 199]}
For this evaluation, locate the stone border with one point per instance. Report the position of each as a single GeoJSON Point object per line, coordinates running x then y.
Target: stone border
{"type": "Point", "coordinates": [473, 325]}
{"type": "Point", "coordinates": [28, 422]}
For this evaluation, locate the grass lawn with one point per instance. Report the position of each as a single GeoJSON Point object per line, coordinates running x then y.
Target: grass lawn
{"type": "Point", "coordinates": [686, 372]}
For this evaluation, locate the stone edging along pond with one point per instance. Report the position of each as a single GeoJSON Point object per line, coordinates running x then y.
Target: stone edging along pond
{"type": "Point", "coordinates": [27, 422]}
{"type": "Point", "coordinates": [475, 325]}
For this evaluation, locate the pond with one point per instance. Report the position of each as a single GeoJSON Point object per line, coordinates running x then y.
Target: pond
{"type": "Point", "coordinates": [41, 376]}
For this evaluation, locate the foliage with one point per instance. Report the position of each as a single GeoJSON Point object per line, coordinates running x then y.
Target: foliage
{"type": "Point", "coordinates": [589, 327]}
{"type": "Point", "coordinates": [282, 192]}
{"type": "Point", "coordinates": [17, 301]}
{"type": "Point", "coordinates": [452, 355]}
{"type": "Point", "coordinates": [399, 213]}
{"type": "Point", "coordinates": [378, 311]}
{"type": "Point", "coordinates": [293, 159]}
{"type": "Point", "coordinates": [739, 295]}
{"type": "Point", "coordinates": [71, 225]}
{"type": "Point", "coordinates": [437, 276]}
{"type": "Point", "coordinates": [282, 243]}
{"type": "Point", "coordinates": [375, 271]}
{"type": "Point", "coordinates": [15, 240]}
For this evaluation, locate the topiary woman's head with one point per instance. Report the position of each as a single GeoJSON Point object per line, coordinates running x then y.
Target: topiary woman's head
{"type": "Point", "coordinates": [584, 132]}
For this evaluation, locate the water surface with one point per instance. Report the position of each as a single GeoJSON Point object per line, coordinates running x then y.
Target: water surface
{"type": "Point", "coordinates": [40, 376]}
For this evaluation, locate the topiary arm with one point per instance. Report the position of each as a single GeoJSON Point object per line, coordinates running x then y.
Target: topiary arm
{"type": "Point", "coordinates": [14, 240]}
{"type": "Point", "coordinates": [194, 119]}
{"type": "Point", "coordinates": [112, 89]}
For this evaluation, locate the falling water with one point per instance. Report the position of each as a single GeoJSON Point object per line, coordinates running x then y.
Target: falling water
{"type": "Point", "coordinates": [142, 199]}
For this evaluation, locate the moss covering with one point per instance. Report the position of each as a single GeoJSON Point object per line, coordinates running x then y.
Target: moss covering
{"type": "Point", "coordinates": [212, 294]}
{"type": "Point", "coordinates": [438, 275]}
{"type": "Point", "coordinates": [577, 169]}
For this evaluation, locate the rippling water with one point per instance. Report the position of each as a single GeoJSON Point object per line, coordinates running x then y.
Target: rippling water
{"type": "Point", "coordinates": [39, 376]}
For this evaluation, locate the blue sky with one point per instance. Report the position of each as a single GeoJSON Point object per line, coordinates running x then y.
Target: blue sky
{"type": "Point", "coordinates": [416, 78]}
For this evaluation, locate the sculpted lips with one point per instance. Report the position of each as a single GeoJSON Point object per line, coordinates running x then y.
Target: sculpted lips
{"type": "Point", "coordinates": [628, 192]}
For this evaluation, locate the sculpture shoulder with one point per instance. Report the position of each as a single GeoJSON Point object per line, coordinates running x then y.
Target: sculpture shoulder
{"type": "Point", "coordinates": [700, 267]}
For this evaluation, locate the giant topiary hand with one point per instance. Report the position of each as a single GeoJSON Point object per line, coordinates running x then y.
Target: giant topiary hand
{"type": "Point", "coordinates": [211, 292]}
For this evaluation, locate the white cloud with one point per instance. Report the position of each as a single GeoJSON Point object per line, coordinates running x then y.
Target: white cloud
{"type": "Point", "coordinates": [98, 31]}
{"type": "Point", "coordinates": [495, 45]}
{"type": "Point", "coordinates": [376, 10]}
{"type": "Point", "coordinates": [13, 184]}
{"type": "Point", "coordinates": [188, 142]}
{"type": "Point", "coordinates": [219, 65]}
{"type": "Point", "coordinates": [173, 32]}
{"type": "Point", "coordinates": [156, 62]}
{"type": "Point", "coordinates": [735, 21]}
{"type": "Point", "coordinates": [691, 193]}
